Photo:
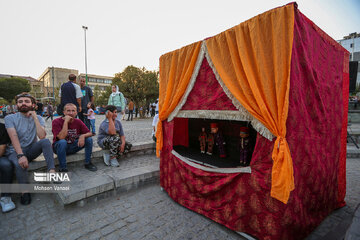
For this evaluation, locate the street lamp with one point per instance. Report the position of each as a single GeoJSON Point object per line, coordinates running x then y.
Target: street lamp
{"type": "Point", "coordinates": [86, 76]}
{"type": "Point", "coordinates": [53, 80]}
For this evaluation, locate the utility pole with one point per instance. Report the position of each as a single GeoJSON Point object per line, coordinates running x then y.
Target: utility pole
{"type": "Point", "coordinates": [53, 80]}
{"type": "Point", "coordinates": [86, 76]}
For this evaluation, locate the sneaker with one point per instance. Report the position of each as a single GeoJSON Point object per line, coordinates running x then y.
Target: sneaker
{"type": "Point", "coordinates": [114, 162]}
{"type": "Point", "coordinates": [90, 167]}
{"type": "Point", "coordinates": [106, 159]}
{"type": "Point", "coordinates": [25, 199]}
{"type": "Point", "coordinates": [6, 204]}
{"type": "Point", "coordinates": [63, 170]}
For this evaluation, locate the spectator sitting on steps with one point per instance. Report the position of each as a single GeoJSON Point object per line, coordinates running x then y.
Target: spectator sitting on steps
{"type": "Point", "coordinates": [70, 136]}
{"type": "Point", "coordinates": [6, 171]}
{"type": "Point", "coordinates": [111, 136]}
{"type": "Point", "coordinates": [24, 129]}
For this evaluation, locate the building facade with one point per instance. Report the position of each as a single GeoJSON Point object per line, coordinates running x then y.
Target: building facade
{"type": "Point", "coordinates": [96, 80]}
{"type": "Point", "coordinates": [352, 44]}
{"type": "Point", "coordinates": [53, 77]}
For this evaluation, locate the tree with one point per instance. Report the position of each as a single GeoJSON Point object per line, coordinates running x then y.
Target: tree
{"type": "Point", "coordinates": [10, 87]}
{"type": "Point", "coordinates": [100, 98]}
{"type": "Point", "coordinates": [138, 84]}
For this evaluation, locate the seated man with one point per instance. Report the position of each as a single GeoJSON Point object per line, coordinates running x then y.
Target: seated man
{"type": "Point", "coordinates": [70, 136]}
{"type": "Point", "coordinates": [6, 171]}
{"type": "Point", "coordinates": [111, 136]}
{"type": "Point", "coordinates": [24, 127]}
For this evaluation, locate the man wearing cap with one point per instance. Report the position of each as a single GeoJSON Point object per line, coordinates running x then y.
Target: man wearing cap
{"type": "Point", "coordinates": [70, 92]}
{"type": "Point", "coordinates": [24, 129]}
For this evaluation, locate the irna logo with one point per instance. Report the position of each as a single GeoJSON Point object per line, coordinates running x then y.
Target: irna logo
{"type": "Point", "coordinates": [48, 177]}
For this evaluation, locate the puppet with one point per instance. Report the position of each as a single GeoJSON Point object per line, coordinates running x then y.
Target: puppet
{"type": "Point", "coordinates": [216, 137]}
{"type": "Point", "coordinates": [202, 140]}
{"type": "Point", "coordinates": [244, 145]}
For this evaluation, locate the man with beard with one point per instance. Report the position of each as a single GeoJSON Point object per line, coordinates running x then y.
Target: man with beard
{"type": "Point", "coordinates": [24, 129]}
{"type": "Point", "coordinates": [70, 136]}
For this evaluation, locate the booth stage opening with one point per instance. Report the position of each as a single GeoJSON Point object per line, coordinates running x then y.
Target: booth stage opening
{"type": "Point", "coordinates": [187, 142]}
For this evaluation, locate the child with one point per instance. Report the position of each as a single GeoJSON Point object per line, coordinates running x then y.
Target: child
{"type": "Point", "coordinates": [91, 117]}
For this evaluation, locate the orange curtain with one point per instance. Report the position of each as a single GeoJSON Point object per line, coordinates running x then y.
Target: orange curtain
{"type": "Point", "coordinates": [176, 69]}
{"type": "Point", "coordinates": [253, 59]}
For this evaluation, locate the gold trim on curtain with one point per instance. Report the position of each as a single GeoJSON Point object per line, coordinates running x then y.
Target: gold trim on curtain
{"type": "Point", "coordinates": [176, 69]}
{"type": "Point", "coordinates": [253, 60]}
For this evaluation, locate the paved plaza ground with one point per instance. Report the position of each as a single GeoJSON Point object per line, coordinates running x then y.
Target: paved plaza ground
{"type": "Point", "coordinates": [143, 213]}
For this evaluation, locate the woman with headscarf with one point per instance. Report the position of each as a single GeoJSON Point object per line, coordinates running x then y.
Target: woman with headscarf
{"type": "Point", "coordinates": [117, 99]}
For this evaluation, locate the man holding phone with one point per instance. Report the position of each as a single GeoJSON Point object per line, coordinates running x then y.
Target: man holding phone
{"type": "Point", "coordinates": [111, 136]}
{"type": "Point", "coordinates": [70, 136]}
{"type": "Point", "coordinates": [24, 129]}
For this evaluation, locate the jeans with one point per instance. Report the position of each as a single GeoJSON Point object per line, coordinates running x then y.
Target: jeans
{"type": "Point", "coordinates": [6, 173]}
{"type": "Point", "coordinates": [31, 152]}
{"type": "Point", "coordinates": [92, 124]}
{"type": "Point", "coordinates": [130, 114]}
{"type": "Point", "coordinates": [50, 116]}
{"type": "Point", "coordinates": [62, 148]}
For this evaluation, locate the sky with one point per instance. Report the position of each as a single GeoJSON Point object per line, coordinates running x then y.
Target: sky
{"type": "Point", "coordinates": [38, 34]}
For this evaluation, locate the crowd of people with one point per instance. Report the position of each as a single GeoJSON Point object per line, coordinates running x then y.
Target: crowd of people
{"type": "Point", "coordinates": [23, 136]}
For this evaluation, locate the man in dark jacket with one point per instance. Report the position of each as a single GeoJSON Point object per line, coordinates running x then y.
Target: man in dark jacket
{"type": "Point", "coordinates": [70, 92]}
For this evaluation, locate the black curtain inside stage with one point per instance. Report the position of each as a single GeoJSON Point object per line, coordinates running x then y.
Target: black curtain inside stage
{"type": "Point", "coordinates": [230, 130]}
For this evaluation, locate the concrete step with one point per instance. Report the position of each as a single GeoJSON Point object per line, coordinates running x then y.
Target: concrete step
{"type": "Point", "coordinates": [139, 148]}
{"type": "Point", "coordinates": [138, 167]}
{"type": "Point", "coordinates": [87, 186]}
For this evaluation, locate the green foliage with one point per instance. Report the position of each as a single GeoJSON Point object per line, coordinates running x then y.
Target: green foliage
{"type": "Point", "coordinates": [101, 98]}
{"type": "Point", "coordinates": [10, 87]}
{"type": "Point", "coordinates": [138, 84]}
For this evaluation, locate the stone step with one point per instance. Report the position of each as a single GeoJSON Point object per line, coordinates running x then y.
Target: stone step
{"type": "Point", "coordinates": [139, 148]}
{"type": "Point", "coordinates": [138, 167]}
{"type": "Point", "coordinates": [87, 186]}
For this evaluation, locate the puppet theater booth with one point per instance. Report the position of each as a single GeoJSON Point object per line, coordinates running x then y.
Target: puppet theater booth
{"type": "Point", "coordinates": [282, 75]}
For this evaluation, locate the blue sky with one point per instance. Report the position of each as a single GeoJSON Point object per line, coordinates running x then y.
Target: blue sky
{"type": "Point", "coordinates": [42, 33]}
